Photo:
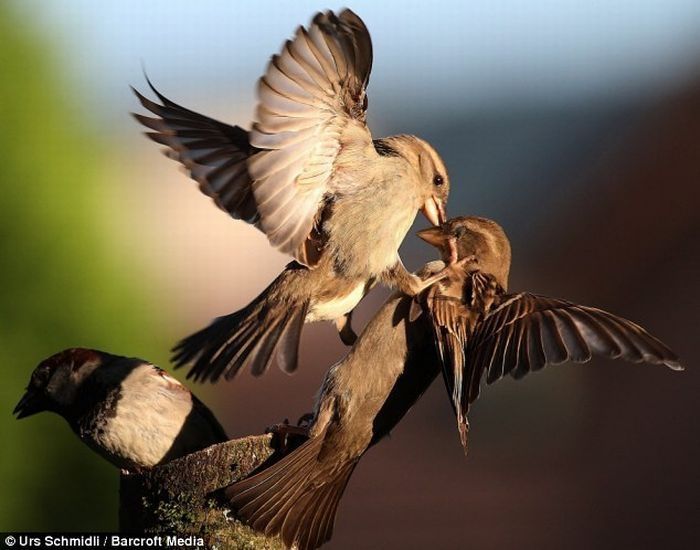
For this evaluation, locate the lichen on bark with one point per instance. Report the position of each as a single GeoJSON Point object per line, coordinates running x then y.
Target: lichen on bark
{"type": "Point", "coordinates": [182, 497]}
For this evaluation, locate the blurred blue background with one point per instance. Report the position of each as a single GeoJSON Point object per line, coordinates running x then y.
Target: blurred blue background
{"type": "Point", "coordinates": [575, 125]}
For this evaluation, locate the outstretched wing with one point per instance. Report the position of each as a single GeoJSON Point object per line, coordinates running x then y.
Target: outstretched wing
{"type": "Point", "coordinates": [312, 104]}
{"type": "Point", "coordinates": [526, 332]}
{"type": "Point", "coordinates": [214, 153]}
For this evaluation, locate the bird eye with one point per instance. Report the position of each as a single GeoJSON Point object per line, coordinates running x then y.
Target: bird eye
{"type": "Point", "coordinates": [437, 180]}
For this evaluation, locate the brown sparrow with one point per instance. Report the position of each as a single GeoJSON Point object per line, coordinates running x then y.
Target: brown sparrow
{"type": "Point", "coordinates": [312, 178]}
{"type": "Point", "coordinates": [481, 329]}
{"type": "Point", "coordinates": [478, 329]}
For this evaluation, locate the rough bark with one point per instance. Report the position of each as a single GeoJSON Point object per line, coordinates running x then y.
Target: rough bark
{"type": "Point", "coordinates": [181, 497]}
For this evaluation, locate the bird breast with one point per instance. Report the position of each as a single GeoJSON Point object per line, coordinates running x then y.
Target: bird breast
{"type": "Point", "coordinates": [368, 224]}
{"type": "Point", "coordinates": [143, 423]}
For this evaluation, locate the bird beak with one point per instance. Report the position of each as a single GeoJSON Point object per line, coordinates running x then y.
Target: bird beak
{"type": "Point", "coordinates": [433, 235]}
{"type": "Point", "coordinates": [434, 210]}
{"type": "Point", "coordinates": [31, 403]}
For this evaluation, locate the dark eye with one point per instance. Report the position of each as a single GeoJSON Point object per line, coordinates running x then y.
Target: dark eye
{"type": "Point", "coordinates": [437, 180]}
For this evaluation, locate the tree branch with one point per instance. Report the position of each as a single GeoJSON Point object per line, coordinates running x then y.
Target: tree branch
{"type": "Point", "coordinates": [180, 497]}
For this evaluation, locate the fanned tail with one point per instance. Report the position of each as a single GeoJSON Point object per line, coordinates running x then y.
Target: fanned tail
{"type": "Point", "coordinates": [250, 336]}
{"type": "Point", "coordinates": [293, 498]}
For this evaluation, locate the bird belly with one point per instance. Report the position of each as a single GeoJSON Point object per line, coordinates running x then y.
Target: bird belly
{"type": "Point", "coordinates": [337, 306]}
{"type": "Point", "coordinates": [135, 441]}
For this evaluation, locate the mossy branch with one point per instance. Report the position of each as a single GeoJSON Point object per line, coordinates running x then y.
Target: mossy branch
{"type": "Point", "coordinates": [181, 497]}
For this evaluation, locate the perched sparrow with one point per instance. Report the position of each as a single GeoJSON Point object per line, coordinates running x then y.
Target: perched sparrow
{"type": "Point", "coordinates": [479, 328]}
{"type": "Point", "coordinates": [362, 398]}
{"type": "Point", "coordinates": [128, 410]}
{"type": "Point", "coordinates": [311, 177]}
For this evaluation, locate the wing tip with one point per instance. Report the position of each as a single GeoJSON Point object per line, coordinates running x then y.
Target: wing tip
{"type": "Point", "coordinates": [674, 365]}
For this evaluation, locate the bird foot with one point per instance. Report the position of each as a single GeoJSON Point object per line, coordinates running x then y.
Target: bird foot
{"type": "Point", "coordinates": [305, 420]}
{"type": "Point", "coordinates": [283, 434]}
{"type": "Point", "coordinates": [452, 268]}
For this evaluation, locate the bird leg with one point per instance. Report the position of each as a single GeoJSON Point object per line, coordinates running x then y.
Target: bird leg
{"type": "Point", "coordinates": [305, 420]}
{"type": "Point", "coordinates": [344, 326]}
{"type": "Point", "coordinates": [281, 433]}
{"type": "Point", "coordinates": [398, 277]}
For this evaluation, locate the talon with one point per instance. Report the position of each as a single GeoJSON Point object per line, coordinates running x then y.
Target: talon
{"type": "Point", "coordinates": [281, 433]}
{"type": "Point", "coordinates": [277, 428]}
{"type": "Point", "coordinates": [305, 420]}
{"type": "Point", "coordinates": [464, 261]}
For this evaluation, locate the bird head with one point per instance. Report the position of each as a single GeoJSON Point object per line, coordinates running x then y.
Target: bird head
{"type": "Point", "coordinates": [428, 172]}
{"type": "Point", "coordinates": [55, 382]}
{"type": "Point", "coordinates": [480, 238]}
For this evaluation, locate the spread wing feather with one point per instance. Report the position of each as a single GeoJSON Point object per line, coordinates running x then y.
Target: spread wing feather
{"type": "Point", "coordinates": [486, 331]}
{"type": "Point", "coordinates": [526, 332]}
{"type": "Point", "coordinates": [215, 154]}
{"type": "Point", "coordinates": [312, 103]}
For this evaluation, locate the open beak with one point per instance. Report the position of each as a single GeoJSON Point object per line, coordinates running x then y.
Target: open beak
{"type": "Point", "coordinates": [434, 210]}
{"type": "Point", "coordinates": [31, 403]}
{"type": "Point", "coordinates": [433, 235]}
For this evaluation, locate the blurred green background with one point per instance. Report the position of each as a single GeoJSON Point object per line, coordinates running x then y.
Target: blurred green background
{"type": "Point", "coordinates": [62, 284]}
{"type": "Point", "coordinates": [575, 125]}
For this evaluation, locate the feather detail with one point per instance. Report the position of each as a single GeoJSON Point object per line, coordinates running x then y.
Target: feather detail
{"type": "Point", "coordinates": [215, 154]}
{"type": "Point", "coordinates": [526, 332]}
{"type": "Point", "coordinates": [310, 95]}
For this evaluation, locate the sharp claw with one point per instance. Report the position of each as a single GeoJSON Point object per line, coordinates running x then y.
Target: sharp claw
{"type": "Point", "coordinates": [283, 430]}
{"type": "Point", "coordinates": [305, 420]}
{"type": "Point", "coordinates": [464, 261]}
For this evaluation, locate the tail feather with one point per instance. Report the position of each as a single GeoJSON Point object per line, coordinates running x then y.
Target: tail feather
{"type": "Point", "coordinates": [243, 346]}
{"type": "Point", "coordinates": [262, 354]}
{"type": "Point", "coordinates": [288, 350]}
{"type": "Point", "coordinates": [269, 505]}
{"type": "Point", "coordinates": [316, 526]}
{"type": "Point", "coordinates": [215, 359]}
{"type": "Point", "coordinates": [264, 495]}
{"type": "Point", "coordinates": [248, 337]}
{"type": "Point", "coordinates": [302, 524]}
{"type": "Point", "coordinates": [293, 498]}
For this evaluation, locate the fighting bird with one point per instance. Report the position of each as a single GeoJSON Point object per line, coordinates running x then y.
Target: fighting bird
{"type": "Point", "coordinates": [477, 327]}
{"type": "Point", "coordinates": [312, 178]}
{"type": "Point", "coordinates": [126, 409]}
{"type": "Point", "coordinates": [360, 401]}
{"type": "Point", "coordinates": [480, 328]}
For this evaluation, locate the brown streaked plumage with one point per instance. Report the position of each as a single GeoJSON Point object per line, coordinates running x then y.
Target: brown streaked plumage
{"type": "Point", "coordinates": [310, 176]}
{"type": "Point", "coordinates": [366, 394]}
{"type": "Point", "coordinates": [362, 398]}
{"type": "Point", "coordinates": [129, 411]}
{"type": "Point", "coordinates": [479, 328]}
